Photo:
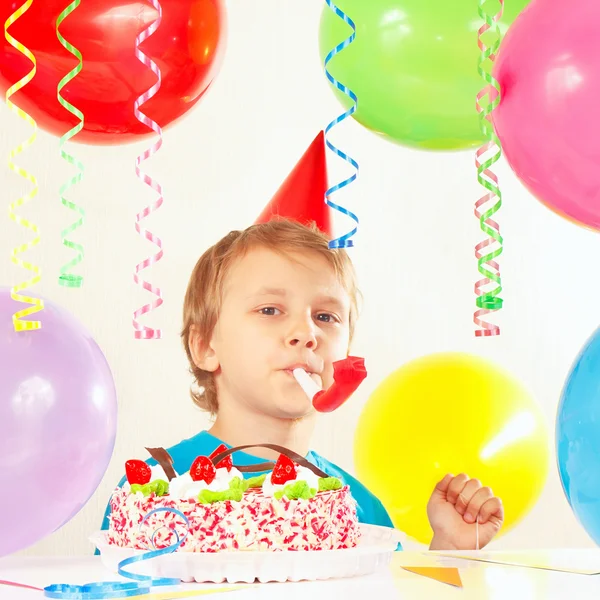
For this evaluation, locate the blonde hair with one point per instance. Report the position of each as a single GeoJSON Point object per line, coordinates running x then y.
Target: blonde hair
{"type": "Point", "coordinates": [204, 293]}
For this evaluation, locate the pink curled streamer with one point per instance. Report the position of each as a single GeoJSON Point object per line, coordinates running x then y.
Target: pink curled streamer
{"type": "Point", "coordinates": [142, 331]}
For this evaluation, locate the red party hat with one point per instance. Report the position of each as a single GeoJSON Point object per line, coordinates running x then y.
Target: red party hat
{"type": "Point", "coordinates": [301, 196]}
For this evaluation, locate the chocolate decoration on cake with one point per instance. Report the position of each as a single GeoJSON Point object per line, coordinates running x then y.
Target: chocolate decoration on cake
{"type": "Point", "coordinates": [266, 466]}
{"type": "Point", "coordinates": [164, 459]}
{"type": "Point", "coordinates": [257, 468]}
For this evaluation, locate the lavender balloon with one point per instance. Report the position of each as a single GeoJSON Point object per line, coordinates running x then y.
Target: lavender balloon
{"type": "Point", "coordinates": [58, 420]}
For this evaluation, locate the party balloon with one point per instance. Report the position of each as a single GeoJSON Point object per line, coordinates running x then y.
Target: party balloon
{"type": "Point", "coordinates": [578, 437]}
{"type": "Point", "coordinates": [58, 419]}
{"type": "Point", "coordinates": [187, 47]}
{"type": "Point", "coordinates": [450, 413]}
{"type": "Point", "coordinates": [413, 66]}
{"type": "Point", "coordinates": [549, 75]}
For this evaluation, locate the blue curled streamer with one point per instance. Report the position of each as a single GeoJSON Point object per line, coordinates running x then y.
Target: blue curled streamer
{"type": "Point", "coordinates": [112, 589]}
{"type": "Point", "coordinates": [343, 241]}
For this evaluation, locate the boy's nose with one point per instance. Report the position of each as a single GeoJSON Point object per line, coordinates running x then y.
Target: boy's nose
{"type": "Point", "coordinates": [303, 335]}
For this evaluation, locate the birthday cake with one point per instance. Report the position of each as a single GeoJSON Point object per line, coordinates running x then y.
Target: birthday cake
{"type": "Point", "coordinates": [291, 506]}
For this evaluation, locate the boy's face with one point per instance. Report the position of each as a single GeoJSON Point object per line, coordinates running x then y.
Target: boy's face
{"type": "Point", "coordinates": [278, 313]}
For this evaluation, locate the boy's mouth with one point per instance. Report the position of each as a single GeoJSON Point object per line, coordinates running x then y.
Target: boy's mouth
{"type": "Point", "coordinates": [314, 376]}
{"type": "Point", "coordinates": [290, 369]}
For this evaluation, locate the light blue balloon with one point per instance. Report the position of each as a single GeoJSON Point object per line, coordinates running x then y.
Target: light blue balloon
{"type": "Point", "coordinates": [578, 437]}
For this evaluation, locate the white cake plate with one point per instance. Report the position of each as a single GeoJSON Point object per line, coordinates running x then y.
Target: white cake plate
{"type": "Point", "coordinates": [374, 551]}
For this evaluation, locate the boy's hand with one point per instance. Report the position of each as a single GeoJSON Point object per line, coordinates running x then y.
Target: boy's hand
{"type": "Point", "coordinates": [455, 505]}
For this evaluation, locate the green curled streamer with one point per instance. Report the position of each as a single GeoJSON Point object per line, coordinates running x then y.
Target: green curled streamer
{"type": "Point", "coordinates": [486, 252]}
{"type": "Point", "coordinates": [66, 278]}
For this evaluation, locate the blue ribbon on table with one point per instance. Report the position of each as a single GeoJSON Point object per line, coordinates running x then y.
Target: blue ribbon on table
{"type": "Point", "coordinates": [111, 589]}
{"type": "Point", "coordinates": [343, 241]}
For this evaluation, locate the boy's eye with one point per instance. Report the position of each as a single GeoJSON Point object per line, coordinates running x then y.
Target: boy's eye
{"type": "Point", "coordinates": [326, 318]}
{"type": "Point", "coordinates": [269, 311]}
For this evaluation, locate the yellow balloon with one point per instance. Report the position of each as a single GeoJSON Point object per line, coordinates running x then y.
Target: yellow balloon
{"type": "Point", "coordinates": [450, 413]}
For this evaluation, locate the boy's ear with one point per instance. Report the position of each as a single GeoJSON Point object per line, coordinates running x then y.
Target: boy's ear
{"type": "Point", "coordinates": [203, 355]}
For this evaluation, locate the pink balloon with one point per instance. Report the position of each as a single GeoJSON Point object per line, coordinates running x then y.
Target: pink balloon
{"type": "Point", "coordinates": [58, 419]}
{"type": "Point", "coordinates": [549, 71]}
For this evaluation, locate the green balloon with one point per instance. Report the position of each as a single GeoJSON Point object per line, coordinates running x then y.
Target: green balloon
{"type": "Point", "coordinates": [413, 66]}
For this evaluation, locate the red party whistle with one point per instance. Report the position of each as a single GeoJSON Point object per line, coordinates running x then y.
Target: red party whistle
{"type": "Point", "coordinates": [348, 374]}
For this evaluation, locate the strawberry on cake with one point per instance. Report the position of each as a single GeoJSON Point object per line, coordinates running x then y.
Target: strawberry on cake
{"type": "Point", "coordinates": [294, 506]}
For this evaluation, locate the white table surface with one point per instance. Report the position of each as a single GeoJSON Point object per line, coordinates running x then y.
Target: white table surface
{"type": "Point", "coordinates": [481, 581]}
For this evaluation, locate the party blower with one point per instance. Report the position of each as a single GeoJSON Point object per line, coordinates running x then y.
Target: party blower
{"type": "Point", "coordinates": [348, 374]}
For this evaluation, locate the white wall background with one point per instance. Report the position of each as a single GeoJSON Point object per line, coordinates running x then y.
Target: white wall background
{"type": "Point", "coordinates": [414, 250]}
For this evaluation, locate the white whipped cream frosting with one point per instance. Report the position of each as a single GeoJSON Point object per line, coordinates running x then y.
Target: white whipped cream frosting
{"type": "Point", "coordinates": [184, 487]}
{"type": "Point", "coordinates": [302, 474]}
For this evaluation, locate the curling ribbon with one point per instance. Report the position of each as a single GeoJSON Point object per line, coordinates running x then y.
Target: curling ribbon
{"type": "Point", "coordinates": [37, 304]}
{"type": "Point", "coordinates": [66, 278]}
{"type": "Point", "coordinates": [141, 331]}
{"type": "Point", "coordinates": [109, 589]}
{"type": "Point", "coordinates": [343, 241]}
{"type": "Point", "coordinates": [19, 585]}
{"type": "Point", "coordinates": [487, 251]}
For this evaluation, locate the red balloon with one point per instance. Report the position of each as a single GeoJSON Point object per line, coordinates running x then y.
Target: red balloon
{"type": "Point", "coordinates": [188, 48]}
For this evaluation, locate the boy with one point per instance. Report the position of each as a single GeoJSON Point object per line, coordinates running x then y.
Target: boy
{"type": "Point", "coordinates": [261, 302]}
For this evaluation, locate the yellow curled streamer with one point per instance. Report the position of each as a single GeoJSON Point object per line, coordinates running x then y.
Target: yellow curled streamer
{"type": "Point", "coordinates": [36, 303]}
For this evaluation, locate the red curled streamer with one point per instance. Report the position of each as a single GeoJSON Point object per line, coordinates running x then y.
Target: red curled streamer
{"type": "Point", "coordinates": [142, 331]}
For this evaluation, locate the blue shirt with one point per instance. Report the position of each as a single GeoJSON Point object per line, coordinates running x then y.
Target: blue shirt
{"type": "Point", "coordinates": [369, 508]}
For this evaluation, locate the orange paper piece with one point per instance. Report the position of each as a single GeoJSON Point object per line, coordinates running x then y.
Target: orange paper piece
{"type": "Point", "coordinates": [449, 575]}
